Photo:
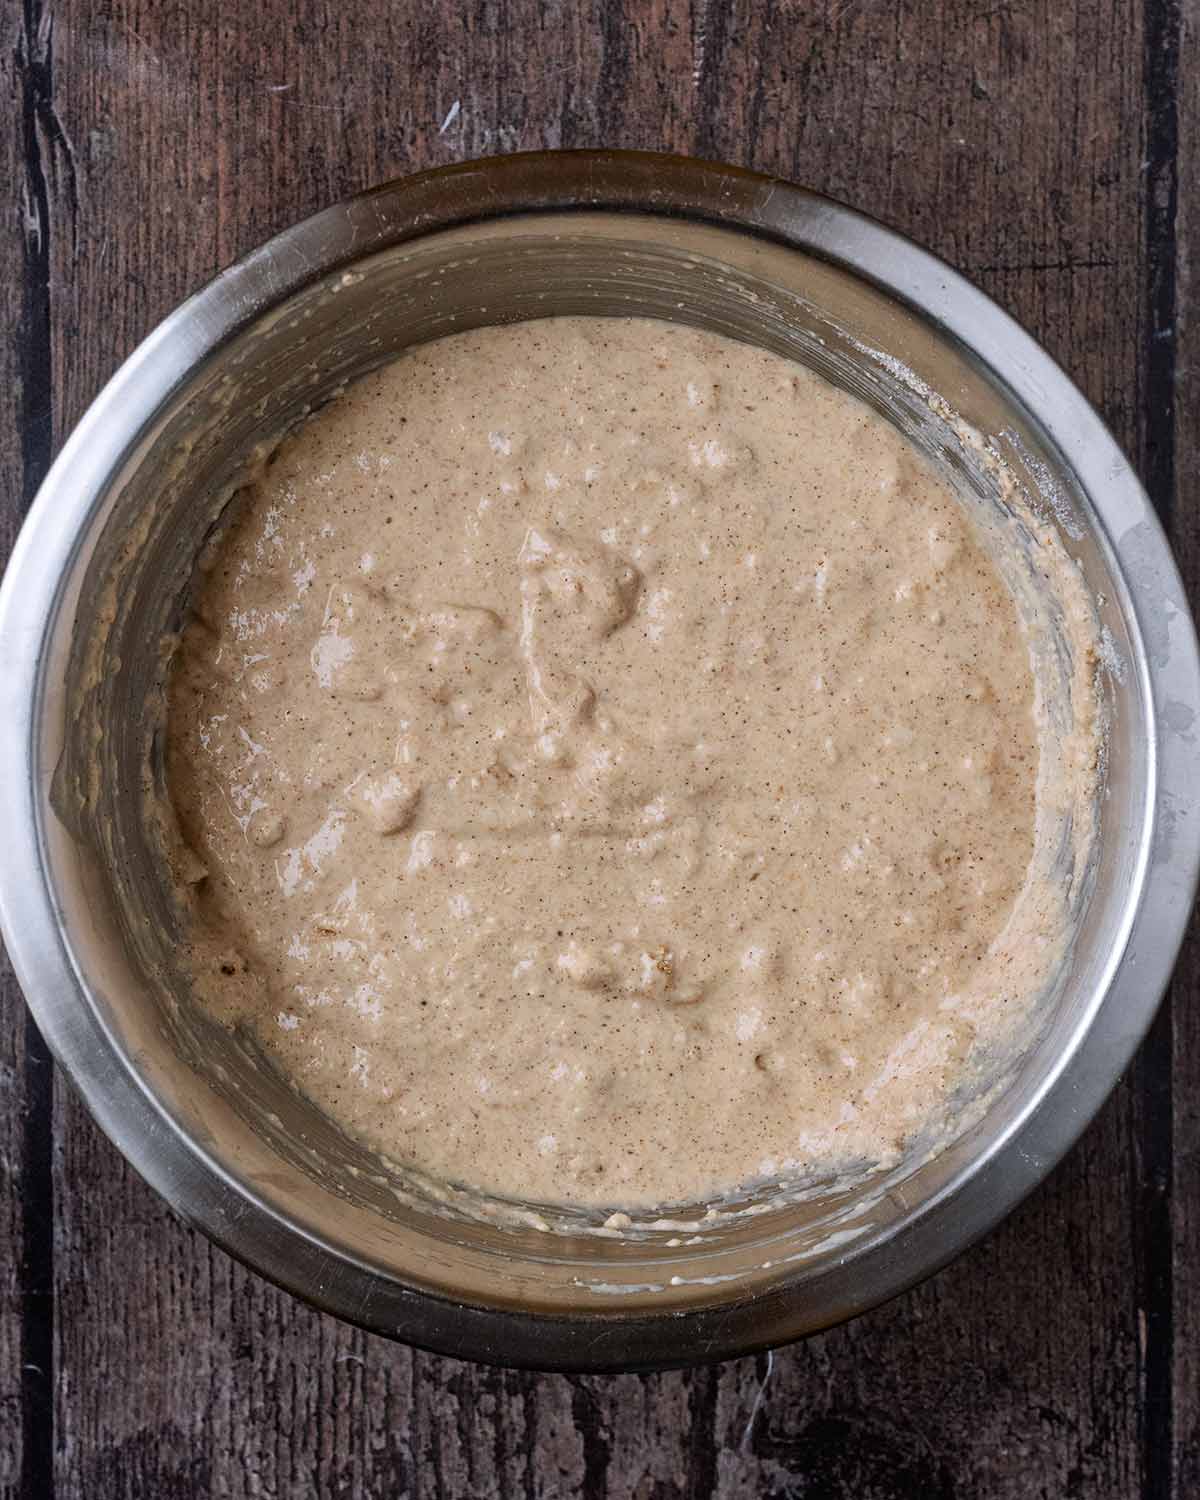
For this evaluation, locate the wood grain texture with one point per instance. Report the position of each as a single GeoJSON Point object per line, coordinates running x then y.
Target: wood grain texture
{"type": "Point", "coordinates": [26, 1080]}
{"type": "Point", "coordinates": [1181, 386]}
{"type": "Point", "coordinates": [12, 1018]}
{"type": "Point", "coordinates": [1014, 139]}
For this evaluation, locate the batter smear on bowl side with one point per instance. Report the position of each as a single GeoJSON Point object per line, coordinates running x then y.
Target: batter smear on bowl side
{"type": "Point", "coordinates": [607, 761]}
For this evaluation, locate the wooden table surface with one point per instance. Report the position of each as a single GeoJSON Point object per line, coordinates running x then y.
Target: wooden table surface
{"type": "Point", "coordinates": [1050, 150]}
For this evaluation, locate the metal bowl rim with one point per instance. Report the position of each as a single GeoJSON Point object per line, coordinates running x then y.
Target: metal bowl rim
{"type": "Point", "coordinates": [177, 1166]}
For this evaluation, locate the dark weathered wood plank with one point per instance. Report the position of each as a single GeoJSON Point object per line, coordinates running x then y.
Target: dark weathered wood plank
{"type": "Point", "coordinates": [11, 1229]}
{"type": "Point", "coordinates": [26, 1274]}
{"type": "Point", "coordinates": [12, 1010]}
{"type": "Point", "coordinates": [1007, 137]}
{"type": "Point", "coordinates": [1184, 1183]}
{"type": "Point", "coordinates": [12, 1157]}
{"type": "Point", "coordinates": [12, 1018]}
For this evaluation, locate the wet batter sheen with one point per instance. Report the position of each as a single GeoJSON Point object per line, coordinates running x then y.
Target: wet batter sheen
{"type": "Point", "coordinates": [608, 761]}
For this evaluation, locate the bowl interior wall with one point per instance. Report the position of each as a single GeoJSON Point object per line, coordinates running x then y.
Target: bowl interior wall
{"type": "Point", "coordinates": [285, 363]}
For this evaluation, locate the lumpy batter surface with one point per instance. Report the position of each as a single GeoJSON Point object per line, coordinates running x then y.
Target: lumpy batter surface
{"type": "Point", "coordinates": [607, 759]}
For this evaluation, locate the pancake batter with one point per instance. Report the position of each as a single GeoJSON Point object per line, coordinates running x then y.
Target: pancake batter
{"type": "Point", "coordinates": [608, 760]}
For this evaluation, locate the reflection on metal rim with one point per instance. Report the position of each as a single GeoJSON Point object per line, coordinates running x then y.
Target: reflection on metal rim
{"type": "Point", "coordinates": [1155, 850]}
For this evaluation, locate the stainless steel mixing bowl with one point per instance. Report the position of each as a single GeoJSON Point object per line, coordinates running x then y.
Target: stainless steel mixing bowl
{"type": "Point", "coordinates": [94, 587]}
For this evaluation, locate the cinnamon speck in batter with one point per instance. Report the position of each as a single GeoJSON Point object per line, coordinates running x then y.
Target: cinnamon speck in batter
{"type": "Point", "coordinates": [610, 761]}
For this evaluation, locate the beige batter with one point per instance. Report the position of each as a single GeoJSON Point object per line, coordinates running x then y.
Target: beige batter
{"type": "Point", "coordinates": [610, 761]}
